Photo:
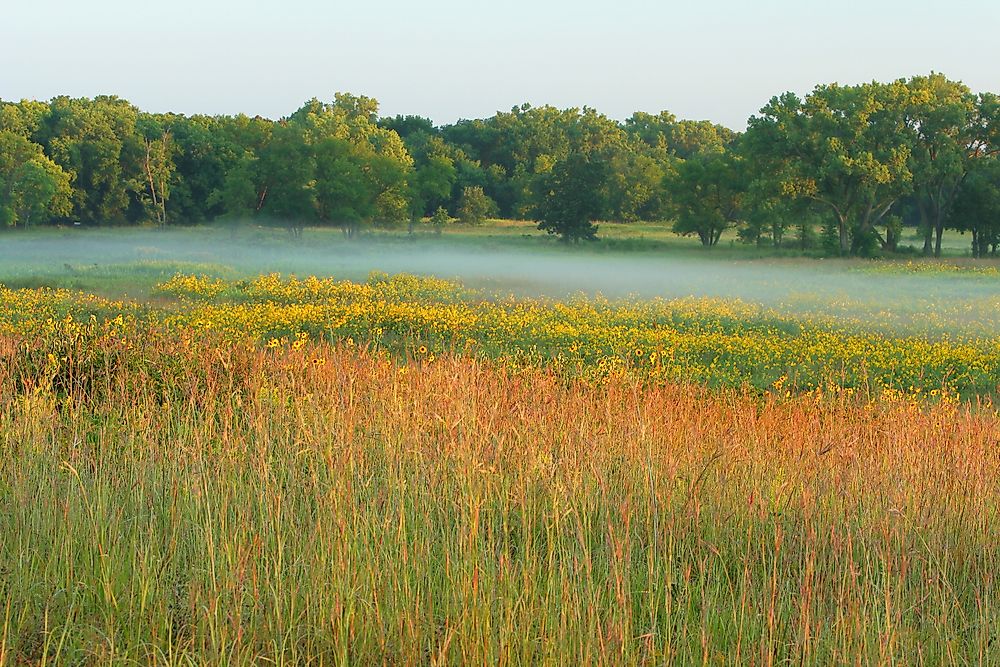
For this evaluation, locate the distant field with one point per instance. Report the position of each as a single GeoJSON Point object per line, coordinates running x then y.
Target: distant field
{"type": "Point", "coordinates": [658, 236]}
{"type": "Point", "coordinates": [96, 259]}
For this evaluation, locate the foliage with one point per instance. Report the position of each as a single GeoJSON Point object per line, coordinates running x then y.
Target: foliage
{"type": "Point", "coordinates": [434, 181]}
{"type": "Point", "coordinates": [96, 142]}
{"type": "Point", "coordinates": [846, 149]}
{"type": "Point", "coordinates": [440, 219]}
{"type": "Point", "coordinates": [863, 162]}
{"type": "Point", "coordinates": [33, 188]}
{"type": "Point", "coordinates": [977, 206]}
{"type": "Point", "coordinates": [708, 196]}
{"type": "Point", "coordinates": [157, 165]}
{"type": "Point", "coordinates": [475, 206]}
{"type": "Point", "coordinates": [939, 114]}
{"type": "Point", "coordinates": [570, 197]}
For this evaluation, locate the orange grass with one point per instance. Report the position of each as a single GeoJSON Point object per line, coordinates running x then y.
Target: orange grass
{"type": "Point", "coordinates": [198, 503]}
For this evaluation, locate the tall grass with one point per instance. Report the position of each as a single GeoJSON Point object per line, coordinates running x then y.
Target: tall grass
{"type": "Point", "coordinates": [187, 503]}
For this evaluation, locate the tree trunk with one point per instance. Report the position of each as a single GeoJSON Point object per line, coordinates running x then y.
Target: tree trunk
{"type": "Point", "coordinates": [925, 226]}
{"type": "Point", "coordinates": [984, 246]}
{"type": "Point", "coordinates": [152, 182]}
{"type": "Point", "coordinates": [938, 231]}
{"type": "Point", "coordinates": [873, 216]}
{"type": "Point", "coordinates": [845, 241]}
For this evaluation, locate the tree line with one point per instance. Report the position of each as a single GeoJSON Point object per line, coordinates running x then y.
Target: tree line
{"type": "Point", "coordinates": [842, 169]}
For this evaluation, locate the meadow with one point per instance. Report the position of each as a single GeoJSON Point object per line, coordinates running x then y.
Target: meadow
{"type": "Point", "coordinates": [212, 463]}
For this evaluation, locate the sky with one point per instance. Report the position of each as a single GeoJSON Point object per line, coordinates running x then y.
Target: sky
{"type": "Point", "coordinates": [719, 60]}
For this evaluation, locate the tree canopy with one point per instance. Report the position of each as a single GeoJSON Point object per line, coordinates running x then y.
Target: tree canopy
{"type": "Point", "coordinates": [860, 161]}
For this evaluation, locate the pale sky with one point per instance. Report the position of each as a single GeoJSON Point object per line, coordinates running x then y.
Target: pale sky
{"type": "Point", "coordinates": [719, 60]}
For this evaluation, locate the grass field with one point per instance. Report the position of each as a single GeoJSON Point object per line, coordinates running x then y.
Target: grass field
{"type": "Point", "coordinates": [209, 464]}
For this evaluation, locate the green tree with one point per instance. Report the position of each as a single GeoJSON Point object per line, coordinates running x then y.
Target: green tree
{"type": "Point", "coordinates": [689, 138]}
{"type": "Point", "coordinates": [707, 192]}
{"type": "Point", "coordinates": [475, 206]}
{"type": "Point", "coordinates": [571, 195]}
{"type": "Point", "coordinates": [433, 183]}
{"type": "Point", "coordinates": [288, 166]}
{"type": "Point", "coordinates": [767, 218]}
{"type": "Point", "coordinates": [515, 149]}
{"type": "Point", "coordinates": [33, 188]}
{"type": "Point", "coordinates": [939, 114]}
{"type": "Point", "coordinates": [241, 188]}
{"type": "Point", "coordinates": [360, 170]}
{"type": "Point", "coordinates": [977, 206]}
{"type": "Point", "coordinates": [238, 195]}
{"type": "Point", "coordinates": [157, 165]}
{"type": "Point", "coordinates": [96, 142]}
{"type": "Point", "coordinates": [214, 160]}
{"type": "Point", "coordinates": [655, 131]}
{"type": "Point", "coordinates": [679, 138]}
{"type": "Point", "coordinates": [344, 193]}
{"type": "Point", "coordinates": [408, 127]}
{"type": "Point", "coordinates": [846, 148]}
{"type": "Point", "coordinates": [440, 219]}
{"type": "Point", "coordinates": [635, 184]}
{"type": "Point", "coordinates": [25, 118]}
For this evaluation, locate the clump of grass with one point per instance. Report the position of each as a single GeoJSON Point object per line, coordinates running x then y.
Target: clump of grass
{"type": "Point", "coordinates": [958, 269]}
{"type": "Point", "coordinates": [198, 501]}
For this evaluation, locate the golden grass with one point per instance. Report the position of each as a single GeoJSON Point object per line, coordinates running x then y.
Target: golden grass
{"type": "Point", "coordinates": [172, 502]}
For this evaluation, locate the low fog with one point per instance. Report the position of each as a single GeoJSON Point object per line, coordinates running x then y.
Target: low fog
{"type": "Point", "coordinates": [523, 267]}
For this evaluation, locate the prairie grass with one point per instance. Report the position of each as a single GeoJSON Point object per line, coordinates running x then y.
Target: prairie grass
{"type": "Point", "coordinates": [212, 502]}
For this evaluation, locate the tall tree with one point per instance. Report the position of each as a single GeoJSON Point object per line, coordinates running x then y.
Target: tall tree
{"type": "Point", "coordinates": [24, 118]}
{"type": "Point", "coordinates": [635, 182]}
{"type": "Point", "coordinates": [939, 114]}
{"type": "Point", "coordinates": [571, 196]}
{"type": "Point", "coordinates": [157, 165]}
{"type": "Point", "coordinates": [846, 148]}
{"type": "Point", "coordinates": [977, 206]}
{"type": "Point", "coordinates": [433, 182]}
{"type": "Point", "coordinates": [243, 190]}
{"type": "Point", "coordinates": [475, 206]}
{"type": "Point", "coordinates": [288, 166]}
{"type": "Point", "coordinates": [708, 192]}
{"type": "Point", "coordinates": [33, 188]}
{"type": "Point", "coordinates": [96, 142]}
{"type": "Point", "coordinates": [334, 163]}
{"type": "Point", "coordinates": [655, 131]}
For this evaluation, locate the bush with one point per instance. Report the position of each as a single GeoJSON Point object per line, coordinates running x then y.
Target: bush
{"type": "Point", "coordinates": [475, 206]}
{"type": "Point", "coordinates": [440, 219]}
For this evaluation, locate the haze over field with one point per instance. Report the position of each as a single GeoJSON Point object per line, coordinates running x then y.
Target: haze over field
{"type": "Point", "coordinates": [884, 296]}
